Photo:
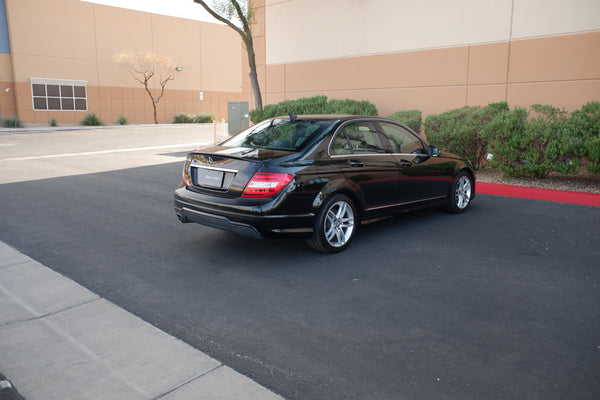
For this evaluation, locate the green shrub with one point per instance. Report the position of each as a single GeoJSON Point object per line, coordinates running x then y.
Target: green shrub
{"type": "Point", "coordinates": [13, 122]}
{"type": "Point", "coordinates": [535, 146]}
{"type": "Point", "coordinates": [53, 122]}
{"type": "Point", "coordinates": [459, 131]}
{"type": "Point", "coordinates": [584, 128]}
{"type": "Point", "coordinates": [122, 120]}
{"type": "Point", "coordinates": [313, 105]}
{"type": "Point", "coordinates": [203, 118]}
{"type": "Point", "coordinates": [353, 107]}
{"type": "Point", "coordinates": [183, 118]}
{"type": "Point", "coordinates": [91, 120]}
{"type": "Point", "coordinates": [305, 105]}
{"type": "Point", "coordinates": [256, 115]}
{"type": "Point", "coordinates": [503, 134]}
{"type": "Point", "coordinates": [412, 118]}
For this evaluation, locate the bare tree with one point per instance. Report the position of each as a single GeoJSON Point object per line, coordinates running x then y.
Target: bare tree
{"type": "Point", "coordinates": [145, 66]}
{"type": "Point", "coordinates": [228, 11]}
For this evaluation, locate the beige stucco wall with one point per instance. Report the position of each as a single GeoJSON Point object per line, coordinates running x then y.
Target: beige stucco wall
{"type": "Point", "coordinates": [6, 74]}
{"type": "Point", "coordinates": [7, 92]}
{"type": "Point", "coordinates": [70, 39]}
{"type": "Point", "coordinates": [540, 18]}
{"type": "Point", "coordinates": [347, 28]}
{"type": "Point", "coordinates": [307, 30]}
{"type": "Point", "coordinates": [432, 55]}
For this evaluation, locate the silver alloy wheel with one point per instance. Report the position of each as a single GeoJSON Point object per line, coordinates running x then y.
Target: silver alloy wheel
{"type": "Point", "coordinates": [339, 224]}
{"type": "Point", "coordinates": [463, 192]}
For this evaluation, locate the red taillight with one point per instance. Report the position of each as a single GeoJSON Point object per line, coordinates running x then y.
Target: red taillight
{"type": "Point", "coordinates": [265, 184]}
{"type": "Point", "coordinates": [186, 178]}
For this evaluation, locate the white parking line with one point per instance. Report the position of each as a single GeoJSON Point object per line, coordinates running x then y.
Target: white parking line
{"type": "Point", "coordinates": [91, 153]}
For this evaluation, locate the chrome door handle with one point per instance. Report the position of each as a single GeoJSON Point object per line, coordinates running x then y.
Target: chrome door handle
{"type": "Point", "coordinates": [355, 163]}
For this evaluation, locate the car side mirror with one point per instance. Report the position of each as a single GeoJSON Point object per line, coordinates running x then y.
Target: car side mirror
{"type": "Point", "coordinates": [434, 151]}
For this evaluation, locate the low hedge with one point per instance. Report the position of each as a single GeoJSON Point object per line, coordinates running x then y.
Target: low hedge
{"type": "Point", "coordinates": [411, 118]}
{"type": "Point", "coordinates": [313, 105]}
{"type": "Point", "coordinates": [532, 143]}
{"type": "Point", "coordinates": [522, 142]}
{"type": "Point", "coordinates": [13, 122]}
{"type": "Point", "coordinates": [91, 120]}
{"type": "Point", "coordinates": [183, 118]}
{"type": "Point", "coordinates": [584, 127]}
{"type": "Point", "coordinates": [459, 131]}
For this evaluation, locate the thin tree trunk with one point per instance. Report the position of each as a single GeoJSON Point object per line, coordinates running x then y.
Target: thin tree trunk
{"type": "Point", "coordinates": [246, 35]}
{"type": "Point", "coordinates": [253, 75]}
{"type": "Point", "coordinates": [153, 103]}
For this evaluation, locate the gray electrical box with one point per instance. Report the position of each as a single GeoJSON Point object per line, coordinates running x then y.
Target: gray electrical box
{"type": "Point", "coordinates": [237, 116]}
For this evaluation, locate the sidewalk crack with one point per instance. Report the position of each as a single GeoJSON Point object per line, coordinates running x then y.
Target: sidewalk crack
{"type": "Point", "coordinates": [37, 317]}
{"type": "Point", "coordinates": [16, 264]}
{"type": "Point", "coordinates": [187, 382]}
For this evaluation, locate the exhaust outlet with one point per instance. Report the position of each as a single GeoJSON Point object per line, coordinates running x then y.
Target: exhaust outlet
{"type": "Point", "coordinates": [183, 219]}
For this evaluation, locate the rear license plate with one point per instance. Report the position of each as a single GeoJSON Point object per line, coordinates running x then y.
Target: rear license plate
{"type": "Point", "coordinates": [209, 178]}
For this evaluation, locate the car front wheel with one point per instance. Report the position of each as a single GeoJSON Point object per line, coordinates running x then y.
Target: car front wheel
{"type": "Point", "coordinates": [461, 192]}
{"type": "Point", "coordinates": [335, 225]}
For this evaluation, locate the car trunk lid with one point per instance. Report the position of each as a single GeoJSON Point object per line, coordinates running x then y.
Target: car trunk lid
{"type": "Point", "coordinates": [224, 171]}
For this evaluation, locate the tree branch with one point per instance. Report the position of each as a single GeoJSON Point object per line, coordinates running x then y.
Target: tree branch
{"type": "Point", "coordinates": [246, 36]}
{"type": "Point", "coordinates": [163, 83]}
{"type": "Point", "coordinates": [241, 16]}
{"type": "Point", "coordinates": [219, 17]}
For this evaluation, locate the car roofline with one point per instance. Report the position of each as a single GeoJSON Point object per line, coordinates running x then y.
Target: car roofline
{"type": "Point", "coordinates": [331, 117]}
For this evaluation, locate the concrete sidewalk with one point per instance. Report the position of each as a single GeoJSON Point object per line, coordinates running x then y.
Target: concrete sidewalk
{"type": "Point", "coordinates": [33, 155]}
{"type": "Point", "coordinates": [58, 340]}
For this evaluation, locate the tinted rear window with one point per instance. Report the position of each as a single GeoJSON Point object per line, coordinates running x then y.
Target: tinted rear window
{"type": "Point", "coordinates": [280, 134]}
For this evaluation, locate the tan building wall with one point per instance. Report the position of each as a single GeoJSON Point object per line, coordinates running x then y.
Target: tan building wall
{"type": "Point", "coordinates": [7, 92]}
{"type": "Point", "coordinates": [431, 55]}
{"type": "Point", "coordinates": [70, 39]}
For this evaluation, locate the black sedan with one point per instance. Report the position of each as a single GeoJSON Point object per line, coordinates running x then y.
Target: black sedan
{"type": "Point", "coordinates": [318, 177]}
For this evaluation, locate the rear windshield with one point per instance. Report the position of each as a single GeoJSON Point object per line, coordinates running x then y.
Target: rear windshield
{"type": "Point", "coordinates": [279, 134]}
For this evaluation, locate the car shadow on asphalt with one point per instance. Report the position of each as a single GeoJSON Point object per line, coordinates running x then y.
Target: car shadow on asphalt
{"type": "Point", "coordinates": [369, 238]}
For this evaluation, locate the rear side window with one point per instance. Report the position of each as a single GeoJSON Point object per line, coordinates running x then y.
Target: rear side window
{"type": "Point", "coordinates": [357, 138]}
{"type": "Point", "coordinates": [279, 134]}
{"type": "Point", "coordinates": [340, 145]}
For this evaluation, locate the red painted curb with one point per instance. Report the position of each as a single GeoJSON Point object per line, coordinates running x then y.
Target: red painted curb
{"type": "Point", "coordinates": [587, 199]}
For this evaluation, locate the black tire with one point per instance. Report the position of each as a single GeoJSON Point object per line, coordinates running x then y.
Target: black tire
{"type": "Point", "coordinates": [460, 193]}
{"type": "Point", "coordinates": [335, 226]}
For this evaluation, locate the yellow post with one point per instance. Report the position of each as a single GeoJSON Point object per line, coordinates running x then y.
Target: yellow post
{"type": "Point", "coordinates": [214, 132]}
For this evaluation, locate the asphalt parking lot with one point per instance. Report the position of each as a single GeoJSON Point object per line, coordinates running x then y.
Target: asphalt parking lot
{"type": "Point", "coordinates": [500, 302]}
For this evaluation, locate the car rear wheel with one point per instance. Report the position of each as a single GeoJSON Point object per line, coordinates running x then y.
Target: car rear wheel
{"type": "Point", "coordinates": [335, 225]}
{"type": "Point", "coordinates": [461, 192]}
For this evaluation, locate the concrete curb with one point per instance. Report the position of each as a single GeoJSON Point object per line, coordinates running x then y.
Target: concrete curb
{"type": "Point", "coordinates": [58, 340]}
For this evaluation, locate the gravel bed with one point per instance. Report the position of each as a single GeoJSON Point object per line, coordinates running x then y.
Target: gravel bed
{"type": "Point", "coordinates": [576, 183]}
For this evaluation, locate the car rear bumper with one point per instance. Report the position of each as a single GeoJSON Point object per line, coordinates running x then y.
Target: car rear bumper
{"type": "Point", "coordinates": [253, 221]}
{"type": "Point", "coordinates": [186, 215]}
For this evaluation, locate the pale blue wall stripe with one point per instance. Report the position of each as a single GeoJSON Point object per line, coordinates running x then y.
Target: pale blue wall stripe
{"type": "Point", "coordinates": [4, 43]}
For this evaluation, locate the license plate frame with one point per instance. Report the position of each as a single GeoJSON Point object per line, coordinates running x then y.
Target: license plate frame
{"type": "Point", "coordinates": [209, 178]}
